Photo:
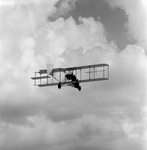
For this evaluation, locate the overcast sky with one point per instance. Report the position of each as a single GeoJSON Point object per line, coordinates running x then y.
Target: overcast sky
{"type": "Point", "coordinates": [105, 115]}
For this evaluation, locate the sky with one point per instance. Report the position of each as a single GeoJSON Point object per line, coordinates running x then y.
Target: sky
{"type": "Point", "coordinates": [105, 115]}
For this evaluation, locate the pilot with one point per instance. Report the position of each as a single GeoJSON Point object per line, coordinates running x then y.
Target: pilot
{"type": "Point", "coordinates": [70, 77]}
{"type": "Point", "coordinates": [73, 78]}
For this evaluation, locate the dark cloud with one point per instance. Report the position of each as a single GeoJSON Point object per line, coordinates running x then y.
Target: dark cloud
{"type": "Point", "coordinates": [63, 7]}
{"type": "Point", "coordinates": [136, 24]}
{"type": "Point", "coordinates": [113, 20]}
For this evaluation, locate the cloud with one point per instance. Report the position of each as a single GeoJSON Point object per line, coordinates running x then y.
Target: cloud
{"type": "Point", "coordinates": [59, 31]}
{"type": "Point", "coordinates": [62, 8]}
{"type": "Point", "coordinates": [111, 112]}
{"type": "Point", "coordinates": [88, 131]}
{"type": "Point", "coordinates": [136, 12]}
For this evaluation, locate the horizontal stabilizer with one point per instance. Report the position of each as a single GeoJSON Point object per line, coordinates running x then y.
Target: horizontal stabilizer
{"type": "Point", "coordinates": [43, 71]}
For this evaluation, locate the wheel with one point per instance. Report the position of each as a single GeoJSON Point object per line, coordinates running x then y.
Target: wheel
{"type": "Point", "coordinates": [59, 86]}
{"type": "Point", "coordinates": [79, 88]}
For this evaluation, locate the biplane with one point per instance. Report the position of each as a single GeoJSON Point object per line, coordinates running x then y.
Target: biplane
{"type": "Point", "coordinates": [71, 76]}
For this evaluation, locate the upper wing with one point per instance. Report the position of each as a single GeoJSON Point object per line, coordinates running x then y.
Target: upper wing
{"type": "Point", "coordinates": [54, 70]}
{"type": "Point", "coordinates": [79, 67]}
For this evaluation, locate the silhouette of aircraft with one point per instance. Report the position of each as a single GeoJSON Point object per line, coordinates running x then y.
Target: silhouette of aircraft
{"type": "Point", "coordinates": [71, 76]}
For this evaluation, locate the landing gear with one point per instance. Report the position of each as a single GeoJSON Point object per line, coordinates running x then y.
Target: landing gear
{"type": "Point", "coordinates": [79, 88]}
{"type": "Point", "coordinates": [76, 85]}
{"type": "Point", "coordinates": [59, 86]}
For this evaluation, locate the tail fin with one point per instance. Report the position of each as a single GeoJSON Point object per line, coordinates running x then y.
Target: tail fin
{"type": "Point", "coordinates": [49, 68]}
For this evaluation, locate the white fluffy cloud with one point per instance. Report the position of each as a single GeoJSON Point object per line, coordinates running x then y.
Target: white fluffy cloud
{"type": "Point", "coordinates": [111, 112]}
